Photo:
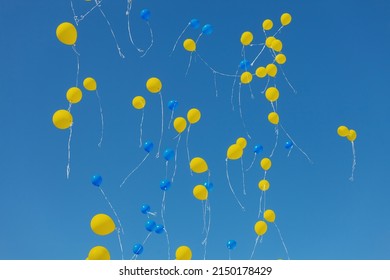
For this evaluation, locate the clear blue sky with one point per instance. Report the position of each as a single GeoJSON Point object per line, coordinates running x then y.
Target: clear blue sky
{"type": "Point", "coordinates": [337, 60]}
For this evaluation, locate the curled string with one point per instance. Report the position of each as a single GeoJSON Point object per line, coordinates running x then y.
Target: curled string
{"type": "Point", "coordinates": [69, 142]}
{"type": "Point", "coordinates": [178, 38]}
{"type": "Point", "coordinates": [230, 185]}
{"type": "Point", "coordinates": [151, 40]}
{"type": "Point", "coordinates": [78, 19]}
{"type": "Point", "coordinates": [78, 64]}
{"type": "Point", "coordinates": [129, 4]}
{"type": "Point", "coordinates": [253, 161]}
{"type": "Point", "coordinates": [113, 210]}
{"type": "Point", "coordinates": [177, 146]}
{"type": "Point", "coordinates": [212, 69]}
{"type": "Point", "coordinates": [101, 119]}
{"type": "Point", "coordinates": [135, 169]}
{"type": "Point", "coordinates": [140, 128]}
{"type": "Point", "coordinates": [353, 161]}
{"type": "Point", "coordinates": [243, 177]}
{"type": "Point", "coordinates": [254, 247]}
{"type": "Point", "coordinates": [162, 125]}
{"type": "Point", "coordinates": [261, 199]}
{"type": "Point", "coordinates": [289, 152]}
{"type": "Point", "coordinates": [281, 239]}
{"type": "Point", "coordinates": [239, 106]}
{"type": "Point", "coordinates": [188, 150]}
{"type": "Point", "coordinates": [296, 145]}
{"type": "Point", "coordinates": [163, 220]}
{"type": "Point", "coordinates": [204, 242]}
{"type": "Point", "coordinates": [276, 140]}
{"type": "Point", "coordinates": [118, 230]}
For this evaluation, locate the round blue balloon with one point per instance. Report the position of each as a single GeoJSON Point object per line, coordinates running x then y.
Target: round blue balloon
{"type": "Point", "coordinates": [148, 146]}
{"type": "Point", "coordinates": [209, 186]}
{"type": "Point", "coordinates": [150, 225]}
{"type": "Point", "coordinates": [245, 64]}
{"type": "Point", "coordinates": [207, 29]}
{"type": "Point", "coordinates": [96, 180]}
{"type": "Point", "coordinates": [169, 154]}
{"type": "Point", "coordinates": [159, 229]}
{"type": "Point", "coordinates": [258, 149]}
{"type": "Point", "coordinates": [165, 184]}
{"type": "Point", "coordinates": [138, 249]}
{"type": "Point", "coordinates": [288, 145]}
{"type": "Point", "coordinates": [172, 105]}
{"type": "Point", "coordinates": [145, 14]}
{"type": "Point", "coordinates": [145, 208]}
{"type": "Point", "coordinates": [194, 23]}
{"type": "Point", "coordinates": [231, 244]}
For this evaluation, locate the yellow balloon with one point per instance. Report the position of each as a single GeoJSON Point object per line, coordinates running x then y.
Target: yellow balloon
{"type": "Point", "coordinates": [153, 85]}
{"type": "Point", "coordinates": [271, 69]}
{"type": "Point", "coordinates": [74, 95]}
{"type": "Point", "coordinates": [193, 115]}
{"type": "Point", "coordinates": [189, 45]}
{"type": "Point", "coordinates": [198, 165]}
{"type": "Point", "coordinates": [351, 135]}
{"type": "Point", "coordinates": [62, 119]}
{"type": "Point", "coordinates": [269, 40]}
{"type": "Point", "coordinates": [90, 84]}
{"type": "Point", "coordinates": [265, 163]}
{"type": "Point", "coordinates": [272, 94]}
{"type": "Point", "coordinates": [246, 38]}
{"type": "Point", "coordinates": [66, 33]}
{"type": "Point", "coordinates": [138, 102]}
{"type": "Point", "coordinates": [285, 19]}
{"type": "Point", "coordinates": [269, 215]}
{"type": "Point", "coordinates": [246, 77]}
{"type": "Point", "coordinates": [234, 152]}
{"type": "Point", "coordinates": [200, 192]}
{"type": "Point", "coordinates": [102, 224]}
{"type": "Point", "coordinates": [342, 131]}
{"type": "Point", "coordinates": [261, 72]}
{"type": "Point", "coordinates": [180, 124]}
{"type": "Point", "coordinates": [183, 253]}
{"type": "Point", "coordinates": [277, 45]}
{"type": "Point", "coordinates": [98, 253]}
{"type": "Point", "coordinates": [264, 185]}
{"type": "Point", "coordinates": [280, 58]}
{"type": "Point", "coordinates": [273, 118]}
{"type": "Point", "coordinates": [268, 24]}
{"type": "Point", "coordinates": [260, 228]}
{"type": "Point", "coordinates": [241, 142]}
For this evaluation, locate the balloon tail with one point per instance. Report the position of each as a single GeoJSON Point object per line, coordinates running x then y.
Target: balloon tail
{"type": "Point", "coordinates": [197, 39]}
{"type": "Point", "coordinates": [254, 247]}
{"type": "Point", "coordinates": [177, 146]}
{"type": "Point", "coordinates": [260, 201]}
{"type": "Point", "coordinates": [353, 161]}
{"type": "Point", "coordinates": [165, 227]}
{"type": "Point", "coordinates": [230, 185]}
{"type": "Point", "coordinates": [232, 95]}
{"type": "Point", "coordinates": [189, 64]}
{"type": "Point", "coordinates": [113, 210]}
{"type": "Point", "coordinates": [258, 55]}
{"type": "Point", "coordinates": [170, 121]}
{"type": "Point", "coordinates": [69, 142]}
{"type": "Point", "coordinates": [78, 65]}
{"type": "Point", "coordinates": [266, 85]}
{"type": "Point", "coordinates": [204, 242]}
{"type": "Point", "coordinates": [178, 38]}
{"type": "Point", "coordinates": [140, 128]}
{"type": "Point", "coordinates": [188, 150]}
{"type": "Point", "coordinates": [129, 4]}
{"type": "Point", "coordinates": [151, 213]}
{"type": "Point", "coordinates": [243, 177]}
{"type": "Point", "coordinates": [281, 239]}
{"type": "Point", "coordinates": [151, 40]}
{"type": "Point", "coordinates": [288, 82]}
{"type": "Point", "coordinates": [166, 169]}
{"type": "Point", "coordinates": [135, 169]}
{"type": "Point", "coordinates": [253, 161]}
{"type": "Point", "coordinates": [162, 125]}
{"type": "Point", "coordinates": [118, 230]}
{"type": "Point", "coordinates": [289, 152]}
{"type": "Point", "coordinates": [240, 109]}
{"type": "Point", "coordinates": [101, 118]}
{"type": "Point", "coordinates": [147, 237]}
{"type": "Point", "coordinates": [295, 144]}
{"type": "Point", "coordinates": [276, 140]}
{"type": "Point", "coordinates": [215, 83]}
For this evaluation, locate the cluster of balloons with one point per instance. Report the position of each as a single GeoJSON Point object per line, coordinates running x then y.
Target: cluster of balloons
{"type": "Point", "coordinates": [351, 135]}
{"type": "Point", "coordinates": [101, 224]}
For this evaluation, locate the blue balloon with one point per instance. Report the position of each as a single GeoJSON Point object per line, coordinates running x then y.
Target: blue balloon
{"type": "Point", "coordinates": [258, 149]}
{"type": "Point", "coordinates": [145, 14]}
{"type": "Point", "coordinates": [209, 186]}
{"type": "Point", "coordinates": [138, 249]}
{"type": "Point", "coordinates": [231, 244]}
{"type": "Point", "coordinates": [150, 225]}
{"type": "Point", "coordinates": [145, 208]}
{"type": "Point", "coordinates": [168, 154]}
{"type": "Point", "coordinates": [245, 64]}
{"type": "Point", "coordinates": [165, 184]}
{"type": "Point", "coordinates": [288, 145]}
{"type": "Point", "coordinates": [172, 105]}
{"type": "Point", "coordinates": [207, 29]}
{"type": "Point", "coordinates": [194, 23]}
{"type": "Point", "coordinates": [96, 180]}
{"type": "Point", "coordinates": [159, 229]}
{"type": "Point", "coordinates": [148, 146]}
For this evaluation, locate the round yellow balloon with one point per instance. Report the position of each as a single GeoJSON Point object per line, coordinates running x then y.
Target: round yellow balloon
{"type": "Point", "coordinates": [261, 228]}
{"type": "Point", "coordinates": [153, 85]}
{"type": "Point", "coordinates": [246, 77]}
{"type": "Point", "coordinates": [66, 33]}
{"type": "Point", "coordinates": [200, 192]}
{"type": "Point", "coordinates": [90, 84]}
{"type": "Point", "coordinates": [241, 142]}
{"type": "Point", "coordinates": [269, 215]}
{"type": "Point", "coordinates": [273, 118]}
{"type": "Point", "coordinates": [246, 38]}
{"type": "Point", "coordinates": [102, 224]}
{"type": "Point", "coordinates": [180, 124]}
{"type": "Point", "coordinates": [285, 19]}
{"type": "Point", "coordinates": [193, 115]}
{"type": "Point", "coordinates": [138, 102]}
{"type": "Point", "coordinates": [74, 95]}
{"type": "Point", "coordinates": [183, 253]}
{"type": "Point", "coordinates": [342, 131]}
{"type": "Point", "coordinates": [277, 45]}
{"type": "Point", "coordinates": [62, 119]}
{"type": "Point", "coordinates": [267, 24]}
{"type": "Point", "coordinates": [271, 69]}
{"type": "Point", "coordinates": [234, 152]}
{"type": "Point", "coordinates": [280, 58]}
{"type": "Point", "coordinates": [266, 164]}
{"type": "Point", "coordinates": [272, 94]}
{"type": "Point", "coordinates": [189, 45]}
{"type": "Point", "coordinates": [263, 185]}
{"type": "Point", "coordinates": [351, 135]}
{"type": "Point", "coordinates": [198, 165]}
{"type": "Point", "coordinates": [269, 40]}
{"type": "Point", "coordinates": [98, 253]}
{"type": "Point", "coordinates": [261, 72]}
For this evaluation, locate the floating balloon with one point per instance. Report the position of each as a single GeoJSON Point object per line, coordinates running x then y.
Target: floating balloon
{"type": "Point", "coordinates": [342, 131]}
{"type": "Point", "coordinates": [245, 64]}
{"type": "Point", "coordinates": [285, 19]}
{"type": "Point", "coordinates": [172, 104]}
{"type": "Point", "coordinates": [241, 142]}
{"type": "Point", "coordinates": [277, 45]}
{"type": "Point", "coordinates": [260, 228]}
{"type": "Point", "coordinates": [207, 29]}
{"type": "Point", "coordinates": [165, 185]}
{"type": "Point", "coordinates": [138, 249]}
{"type": "Point", "coordinates": [183, 253]}
{"type": "Point", "coordinates": [145, 14]}
{"type": "Point", "coordinates": [148, 146]}
{"type": "Point", "coordinates": [138, 102]}
{"type": "Point", "coordinates": [62, 119]}
{"type": "Point", "coordinates": [267, 24]}
{"type": "Point", "coordinates": [269, 41]}
{"type": "Point", "coordinates": [265, 163]}
{"type": "Point", "coordinates": [271, 70]}
{"type": "Point", "coordinates": [194, 23]}
{"type": "Point", "coordinates": [90, 84]}
{"type": "Point", "coordinates": [193, 115]}
{"type": "Point", "coordinates": [189, 45]}
{"type": "Point", "coordinates": [246, 38]}
{"type": "Point", "coordinates": [145, 209]}
{"type": "Point", "coordinates": [246, 77]}
{"type": "Point", "coordinates": [200, 192]}
{"type": "Point", "coordinates": [280, 58]}
{"type": "Point", "coordinates": [263, 185]}
{"type": "Point", "coordinates": [261, 72]}
{"type": "Point", "coordinates": [159, 229]}
{"type": "Point", "coordinates": [153, 85]}
{"type": "Point", "coordinates": [258, 149]}
{"type": "Point", "coordinates": [98, 253]}
{"type": "Point", "coordinates": [198, 165]}
{"type": "Point", "coordinates": [150, 225]}
{"type": "Point", "coordinates": [231, 244]}
{"type": "Point", "coordinates": [234, 152]}
{"type": "Point", "coordinates": [96, 180]}
{"type": "Point", "coordinates": [351, 135]}
{"type": "Point", "coordinates": [66, 33]}
{"type": "Point", "coordinates": [273, 118]}
{"type": "Point", "coordinates": [102, 224]}
{"type": "Point", "coordinates": [74, 95]}
{"type": "Point", "coordinates": [209, 186]}
{"type": "Point", "coordinates": [168, 154]}
{"type": "Point", "coordinates": [180, 124]}
{"type": "Point", "coordinates": [288, 145]}
{"type": "Point", "coordinates": [269, 215]}
{"type": "Point", "coordinates": [272, 94]}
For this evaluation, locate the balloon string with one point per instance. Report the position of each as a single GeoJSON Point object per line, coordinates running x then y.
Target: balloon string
{"type": "Point", "coordinates": [135, 169]}
{"type": "Point", "coordinates": [278, 31]}
{"type": "Point", "coordinates": [288, 82]}
{"type": "Point", "coordinates": [189, 64]}
{"type": "Point", "coordinates": [78, 65]}
{"type": "Point", "coordinates": [69, 142]}
{"type": "Point", "coordinates": [354, 161]}
{"type": "Point", "coordinates": [197, 39]}
{"type": "Point", "coordinates": [140, 128]}
{"type": "Point", "coordinates": [204, 242]}
{"type": "Point", "coordinates": [166, 169]}
{"type": "Point", "coordinates": [147, 237]}
{"type": "Point", "coordinates": [254, 247]}
{"type": "Point", "coordinates": [281, 239]}
{"type": "Point", "coordinates": [120, 241]}
{"type": "Point", "coordinates": [78, 19]}
{"type": "Point", "coordinates": [188, 150]}
{"type": "Point", "coordinates": [176, 150]}
{"type": "Point", "coordinates": [212, 69]}
{"type": "Point", "coordinates": [243, 177]}
{"type": "Point", "coordinates": [276, 140]}
{"type": "Point", "coordinates": [151, 213]}
{"type": "Point", "coordinates": [171, 119]}
{"type": "Point", "coordinates": [232, 95]}
{"type": "Point", "coordinates": [289, 152]}
{"type": "Point", "coordinates": [113, 210]}
{"type": "Point", "coordinates": [230, 185]}
{"type": "Point", "coordinates": [266, 85]}
{"type": "Point", "coordinates": [162, 125]}
{"type": "Point", "coordinates": [240, 109]}
{"type": "Point", "coordinates": [296, 145]}
{"type": "Point", "coordinates": [101, 118]}
{"type": "Point", "coordinates": [151, 39]}
{"type": "Point", "coordinates": [129, 4]}
{"type": "Point", "coordinates": [261, 199]}
{"type": "Point", "coordinates": [253, 161]}
{"type": "Point", "coordinates": [215, 83]}
{"type": "Point", "coordinates": [258, 55]}
{"type": "Point", "coordinates": [230, 255]}
{"type": "Point", "coordinates": [178, 38]}
{"type": "Point", "coordinates": [163, 220]}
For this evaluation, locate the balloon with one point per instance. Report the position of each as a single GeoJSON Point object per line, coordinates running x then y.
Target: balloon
{"type": "Point", "coordinates": [66, 33]}
{"type": "Point", "coordinates": [148, 146]}
{"type": "Point", "coordinates": [246, 38]}
{"type": "Point", "coordinates": [183, 253]}
{"type": "Point", "coordinates": [268, 24]}
{"type": "Point", "coordinates": [246, 77]}
{"type": "Point", "coordinates": [102, 224]}
{"type": "Point", "coordinates": [189, 45]}
{"type": "Point", "coordinates": [269, 41]}
{"type": "Point", "coordinates": [209, 186]}
{"type": "Point", "coordinates": [351, 135]}
{"type": "Point", "coordinates": [97, 180]}
{"type": "Point", "coordinates": [271, 69]}
{"type": "Point", "coordinates": [168, 154]}
{"type": "Point", "coordinates": [260, 228]}
{"type": "Point", "coordinates": [145, 14]}
{"type": "Point", "coordinates": [288, 145]}
{"type": "Point", "coordinates": [261, 72]}
{"type": "Point", "coordinates": [153, 85]}
{"type": "Point", "coordinates": [193, 115]}
{"type": "Point", "coordinates": [342, 131]}
{"type": "Point", "coordinates": [231, 244]}
{"type": "Point", "coordinates": [139, 102]}
{"type": "Point", "coordinates": [165, 184]}
{"type": "Point", "coordinates": [258, 149]}
{"type": "Point", "coordinates": [98, 253]}
{"type": "Point", "coordinates": [272, 94]}
{"type": "Point", "coordinates": [207, 29]}
{"type": "Point", "coordinates": [277, 45]}
{"type": "Point", "coordinates": [265, 163]}
{"type": "Point", "coordinates": [180, 124]}
{"type": "Point", "coordinates": [241, 142]}
{"type": "Point", "coordinates": [234, 152]}
{"type": "Point", "coordinates": [150, 225]}
{"type": "Point", "coordinates": [200, 192]}
{"type": "Point", "coordinates": [269, 215]}
{"type": "Point", "coordinates": [273, 118]}
{"type": "Point", "coordinates": [285, 19]}
{"type": "Point", "coordinates": [198, 165]}
{"type": "Point", "coordinates": [62, 119]}
{"type": "Point", "coordinates": [245, 64]}
{"type": "Point", "coordinates": [263, 185]}
{"type": "Point", "coordinates": [145, 208]}
{"type": "Point", "coordinates": [74, 95]}
{"type": "Point", "coordinates": [280, 58]}
{"type": "Point", "coordinates": [89, 84]}
{"type": "Point", "coordinates": [194, 23]}
{"type": "Point", "coordinates": [172, 105]}
{"type": "Point", "coordinates": [159, 229]}
{"type": "Point", "coordinates": [138, 249]}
